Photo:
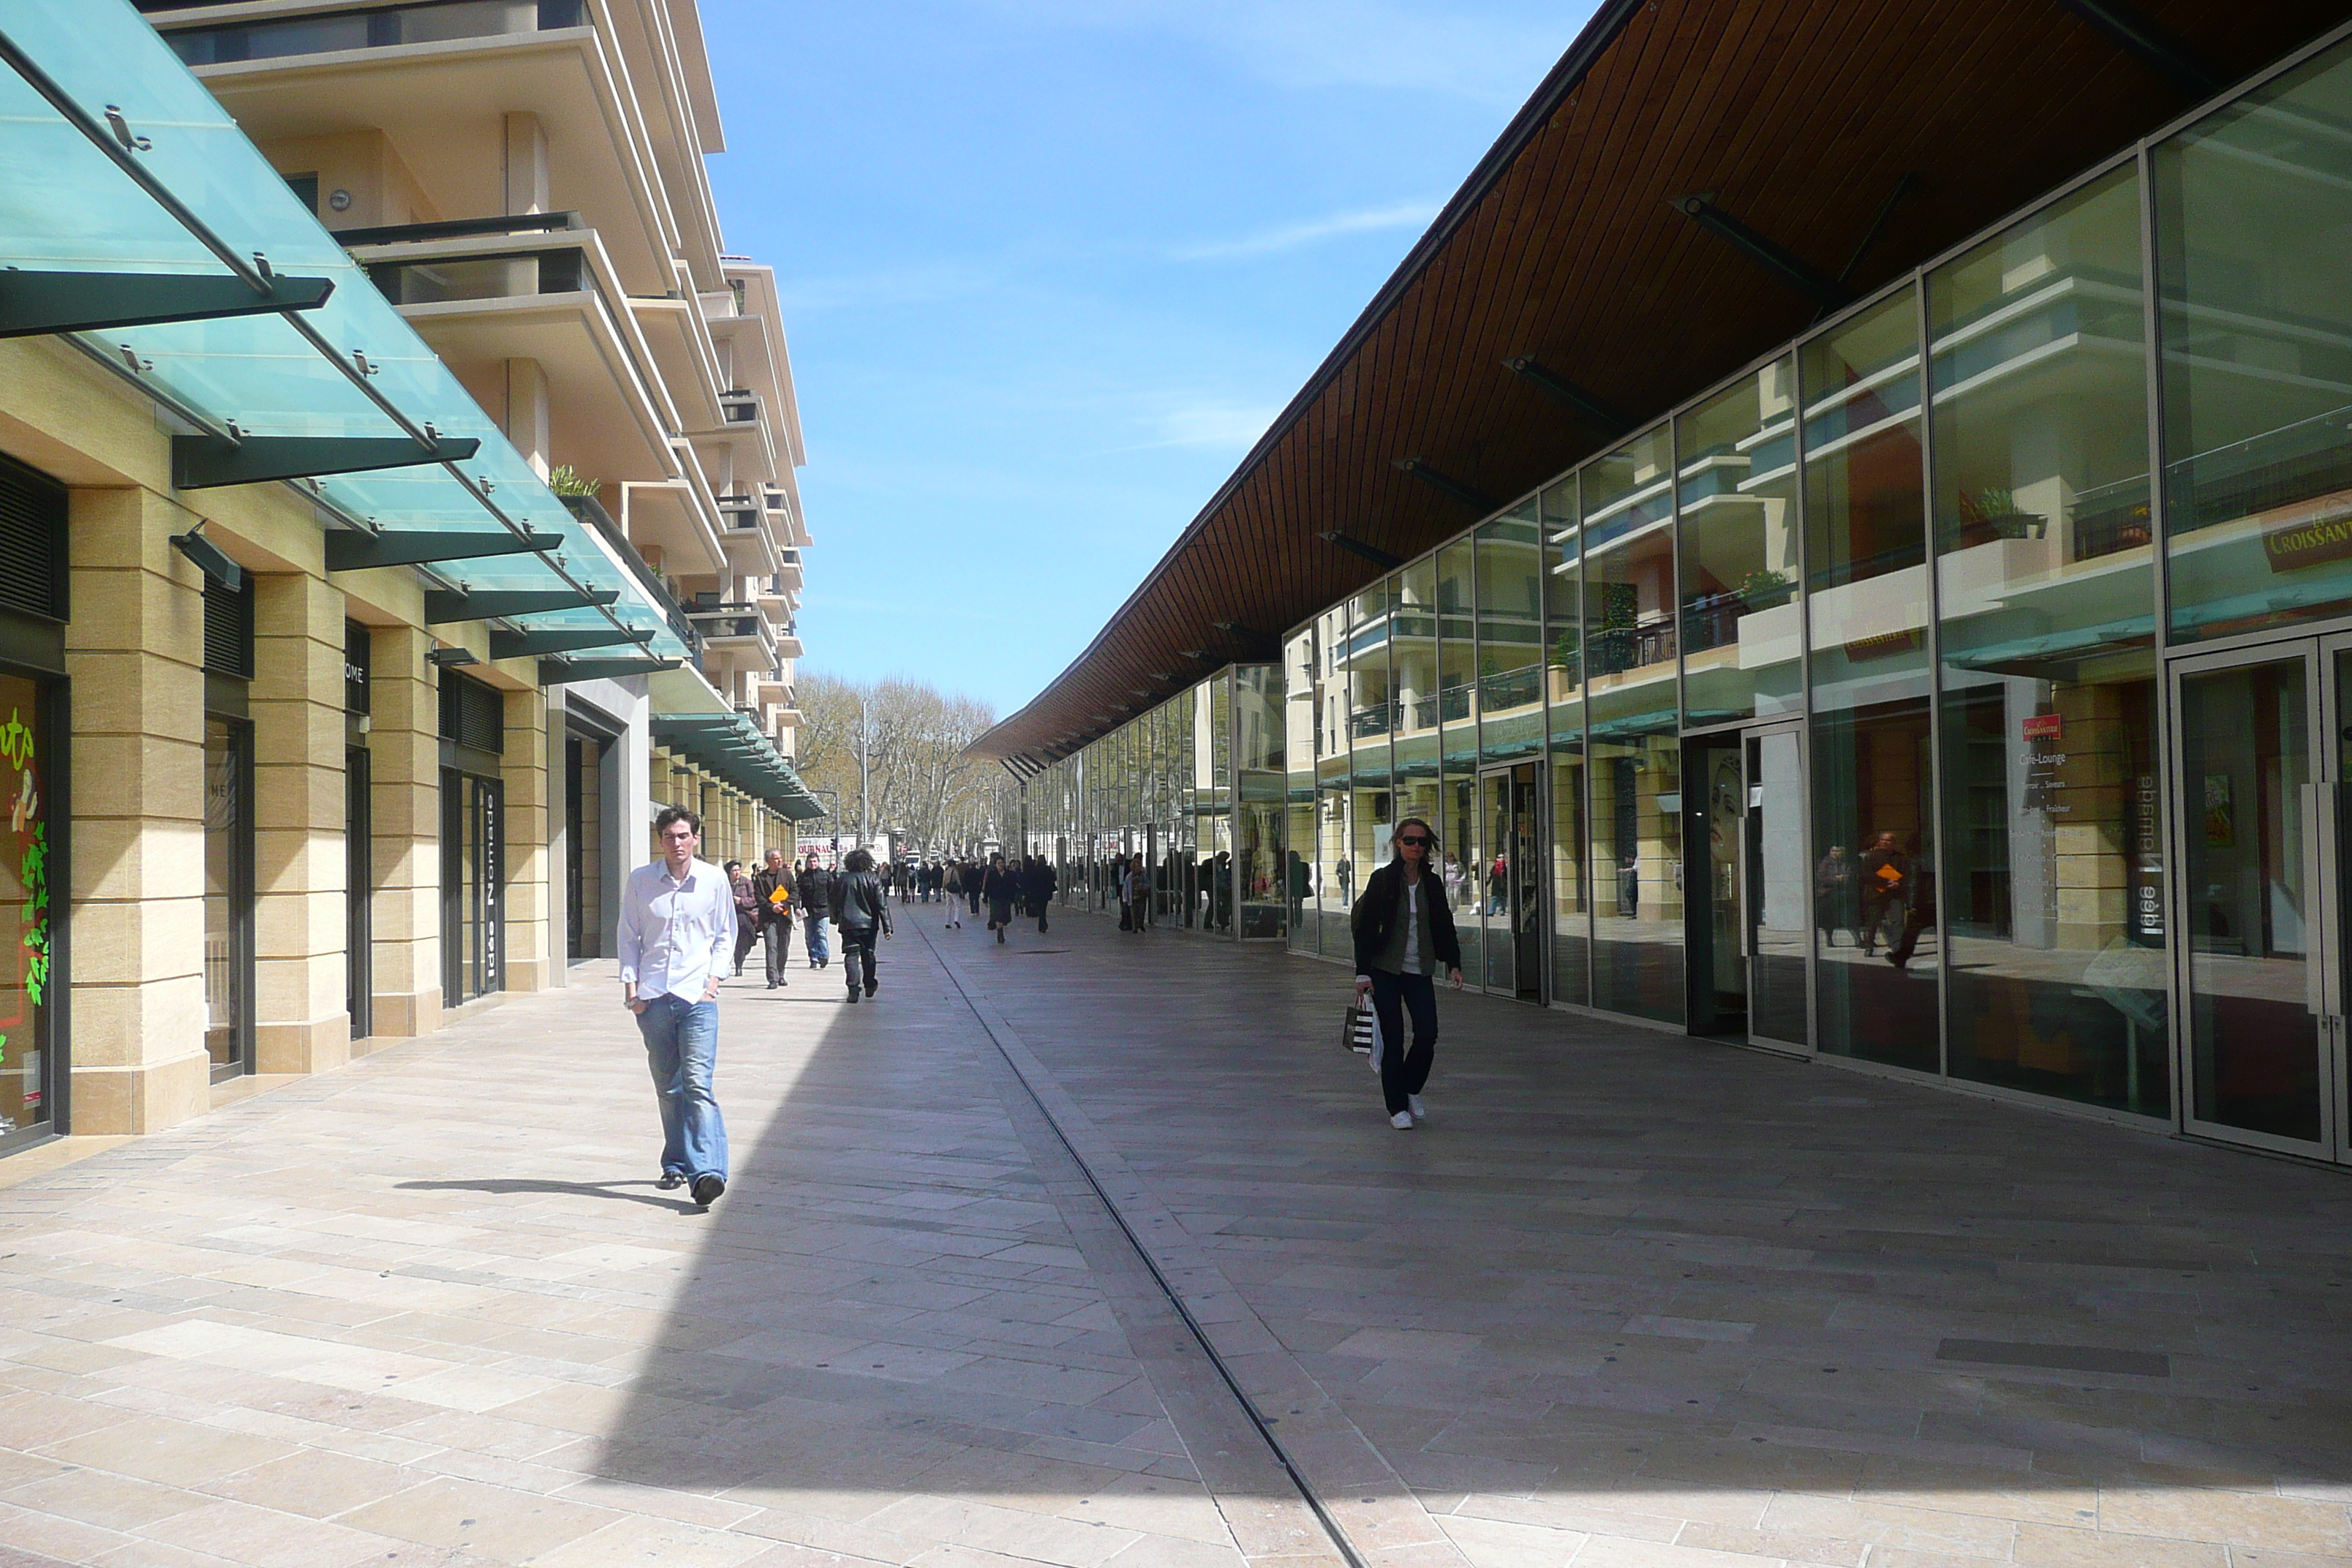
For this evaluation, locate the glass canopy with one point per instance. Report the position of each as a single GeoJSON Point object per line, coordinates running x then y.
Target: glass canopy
{"type": "Point", "coordinates": [68, 205]}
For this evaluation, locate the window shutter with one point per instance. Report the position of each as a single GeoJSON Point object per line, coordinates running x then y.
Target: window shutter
{"type": "Point", "coordinates": [229, 629]}
{"type": "Point", "coordinates": [32, 543]}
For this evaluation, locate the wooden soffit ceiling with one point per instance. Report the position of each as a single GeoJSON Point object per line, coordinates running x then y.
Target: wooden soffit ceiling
{"type": "Point", "coordinates": [1798, 118]}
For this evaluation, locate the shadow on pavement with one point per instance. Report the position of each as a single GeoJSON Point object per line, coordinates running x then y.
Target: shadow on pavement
{"type": "Point", "coordinates": [512, 1187]}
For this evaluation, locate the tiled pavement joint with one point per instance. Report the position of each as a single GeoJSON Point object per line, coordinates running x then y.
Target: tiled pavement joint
{"type": "Point", "coordinates": [1332, 1456]}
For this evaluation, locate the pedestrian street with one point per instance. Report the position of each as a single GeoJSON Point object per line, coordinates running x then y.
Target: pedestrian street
{"type": "Point", "coordinates": [1622, 1299]}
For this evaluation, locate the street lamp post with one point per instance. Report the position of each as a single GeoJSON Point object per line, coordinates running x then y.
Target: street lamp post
{"type": "Point", "coordinates": [865, 816]}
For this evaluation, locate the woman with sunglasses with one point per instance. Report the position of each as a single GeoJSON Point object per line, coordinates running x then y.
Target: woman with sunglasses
{"type": "Point", "coordinates": [1404, 935]}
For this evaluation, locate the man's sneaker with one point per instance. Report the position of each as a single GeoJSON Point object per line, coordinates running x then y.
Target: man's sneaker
{"type": "Point", "coordinates": [1402, 1122]}
{"type": "Point", "coordinates": [1420, 1112]}
{"type": "Point", "coordinates": [853, 994]}
{"type": "Point", "coordinates": [708, 1188]}
{"type": "Point", "coordinates": [671, 1181]}
{"type": "Point", "coordinates": [871, 987]}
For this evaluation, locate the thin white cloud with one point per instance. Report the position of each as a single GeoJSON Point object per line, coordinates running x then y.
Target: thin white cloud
{"type": "Point", "coordinates": [1290, 237]}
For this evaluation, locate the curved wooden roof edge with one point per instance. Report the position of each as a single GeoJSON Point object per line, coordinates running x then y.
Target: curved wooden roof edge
{"type": "Point", "coordinates": [1608, 21]}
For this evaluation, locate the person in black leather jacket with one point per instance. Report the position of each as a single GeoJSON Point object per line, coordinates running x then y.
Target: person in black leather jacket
{"type": "Point", "coordinates": [1405, 938]}
{"type": "Point", "coordinates": [815, 890]}
{"type": "Point", "coordinates": [859, 908]}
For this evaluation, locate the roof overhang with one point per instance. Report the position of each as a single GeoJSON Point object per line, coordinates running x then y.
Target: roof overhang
{"type": "Point", "coordinates": [1798, 116]}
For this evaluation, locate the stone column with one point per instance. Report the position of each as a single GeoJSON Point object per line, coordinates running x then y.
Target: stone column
{"type": "Point", "coordinates": [404, 791]}
{"type": "Point", "coordinates": [523, 768]}
{"type": "Point", "coordinates": [300, 817]}
{"type": "Point", "coordinates": [135, 652]}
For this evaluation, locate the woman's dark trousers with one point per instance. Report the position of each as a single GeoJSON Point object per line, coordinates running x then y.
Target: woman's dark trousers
{"type": "Point", "coordinates": [1404, 1070]}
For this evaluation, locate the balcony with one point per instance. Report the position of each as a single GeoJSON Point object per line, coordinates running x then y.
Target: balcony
{"type": "Point", "coordinates": [432, 81]}
{"type": "Point", "coordinates": [432, 22]}
{"type": "Point", "coordinates": [750, 545]}
{"type": "Point", "coordinates": [736, 633]}
{"type": "Point", "coordinates": [588, 510]}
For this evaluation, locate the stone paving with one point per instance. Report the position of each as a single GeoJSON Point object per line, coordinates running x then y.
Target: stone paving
{"type": "Point", "coordinates": [1624, 1300]}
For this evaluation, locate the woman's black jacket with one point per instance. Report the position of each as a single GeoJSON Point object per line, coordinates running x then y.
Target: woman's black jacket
{"type": "Point", "coordinates": [1375, 914]}
{"type": "Point", "coordinates": [858, 904]}
{"type": "Point", "coordinates": [1002, 887]}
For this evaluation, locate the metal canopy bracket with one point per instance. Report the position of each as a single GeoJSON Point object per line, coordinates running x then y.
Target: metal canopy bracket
{"type": "Point", "coordinates": [203, 462]}
{"type": "Point", "coordinates": [33, 304]}
{"type": "Point", "coordinates": [1784, 264]}
{"type": "Point", "coordinates": [556, 671]}
{"type": "Point", "coordinates": [2169, 57]}
{"type": "Point", "coordinates": [348, 552]}
{"type": "Point", "coordinates": [1560, 389]}
{"type": "Point", "coordinates": [1468, 495]}
{"type": "Point", "coordinates": [1356, 547]}
{"type": "Point", "coordinates": [444, 605]}
{"type": "Point", "coordinates": [531, 645]}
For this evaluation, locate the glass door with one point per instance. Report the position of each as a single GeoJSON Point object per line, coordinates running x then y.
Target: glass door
{"type": "Point", "coordinates": [1715, 879]}
{"type": "Point", "coordinates": [2260, 842]}
{"type": "Point", "coordinates": [1774, 918]}
{"type": "Point", "coordinates": [1510, 882]}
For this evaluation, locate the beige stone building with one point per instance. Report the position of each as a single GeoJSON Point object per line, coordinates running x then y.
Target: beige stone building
{"type": "Point", "coordinates": [350, 643]}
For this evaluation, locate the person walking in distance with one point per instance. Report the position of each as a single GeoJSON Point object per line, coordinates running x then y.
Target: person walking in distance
{"type": "Point", "coordinates": [861, 906]}
{"type": "Point", "coordinates": [747, 914]}
{"type": "Point", "coordinates": [815, 888]}
{"type": "Point", "coordinates": [975, 876]}
{"type": "Point", "coordinates": [1138, 893]}
{"type": "Point", "coordinates": [1037, 883]}
{"type": "Point", "coordinates": [955, 896]}
{"type": "Point", "coordinates": [1404, 934]}
{"type": "Point", "coordinates": [1002, 887]}
{"type": "Point", "coordinates": [1885, 879]}
{"type": "Point", "coordinates": [772, 889]}
{"type": "Point", "coordinates": [677, 928]}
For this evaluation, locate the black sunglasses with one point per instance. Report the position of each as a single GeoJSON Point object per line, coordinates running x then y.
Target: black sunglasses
{"type": "Point", "coordinates": [1414, 838]}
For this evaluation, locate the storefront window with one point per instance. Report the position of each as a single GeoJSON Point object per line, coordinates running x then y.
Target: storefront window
{"type": "Point", "coordinates": [2051, 842]}
{"type": "Point", "coordinates": [1874, 895]}
{"type": "Point", "coordinates": [1457, 717]}
{"type": "Point", "coordinates": [228, 895]}
{"type": "Point", "coordinates": [1415, 646]}
{"type": "Point", "coordinates": [1510, 637]}
{"type": "Point", "coordinates": [1741, 634]}
{"type": "Point", "coordinates": [1258, 812]}
{"type": "Point", "coordinates": [1301, 704]}
{"type": "Point", "coordinates": [2251, 203]}
{"type": "Point", "coordinates": [1368, 731]}
{"type": "Point", "coordinates": [1212, 804]}
{"type": "Point", "coordinates": [1335, 872]}
{"type": "Point", "coordinates": [25, 907]}
{"type": "Point", "coordinates": [1571, 894]}
{"type": "Point", "coordinates": [1631, 729]}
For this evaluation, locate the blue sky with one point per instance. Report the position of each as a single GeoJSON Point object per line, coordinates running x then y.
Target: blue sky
{"type": "Point", "coordinates": [1050, 267]}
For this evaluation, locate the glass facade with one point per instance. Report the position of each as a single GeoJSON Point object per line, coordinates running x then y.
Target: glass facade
{"type": "Point", "coordinates": [1200, 788]}
{"type": "Point", "coordinates": [1880, 702]}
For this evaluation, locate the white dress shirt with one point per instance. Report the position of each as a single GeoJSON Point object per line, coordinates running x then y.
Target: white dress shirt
{"type": "Point", "coordinates": [676, 934]}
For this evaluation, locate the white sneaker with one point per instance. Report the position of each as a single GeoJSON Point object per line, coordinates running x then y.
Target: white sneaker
{"type": "Point", "coordinates": [1402, 1122]}
{"type": "Point", "coordinates": [1420, 1112]}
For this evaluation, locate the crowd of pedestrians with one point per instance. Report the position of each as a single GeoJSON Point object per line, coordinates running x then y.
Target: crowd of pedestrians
{"type": "Point", "coordinates": [685, 925]}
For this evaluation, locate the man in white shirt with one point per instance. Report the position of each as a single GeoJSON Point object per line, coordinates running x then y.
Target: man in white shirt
{"type": "Point", "coordinates": [676, 940]}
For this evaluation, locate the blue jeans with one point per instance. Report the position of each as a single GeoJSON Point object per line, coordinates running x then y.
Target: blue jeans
{"type": "Point", "coordinates": [813, 927]}
{"type": "Point", "coordinates": [682, 1052]}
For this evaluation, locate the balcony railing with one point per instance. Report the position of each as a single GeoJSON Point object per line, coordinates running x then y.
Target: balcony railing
{"type": "Point", "coordinates": [433, 22]}
{"type": "Point", "coordinates": [590, 511]}
{"type": "Point", "coordinates": [1616, 649]}
{"type": "Point", "coordinates": [503, 276]}
{"type": "Point", "coordinates": [716, 620]}
{"type": "Point", "coordinates": [458, 229]}
{"type": "Point", "coordinates": [1510, 689]}
{"type": "Point", "coordinates": [739, 407]}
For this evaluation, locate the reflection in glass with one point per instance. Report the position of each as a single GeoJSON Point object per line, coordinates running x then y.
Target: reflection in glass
{"type": "Point", "coordinates": [228, 895]}
{"type": "Point", "coordinates": [1779, 889]}
{"type": "Point", "coordinates": [1740, 630]}
{"type": "Point", "coordinates": [1572, 934]}
{"type": "Point", "coordinates": [1873, 826]}
{"type": "Point", "coordinates": [2246, 756]}
{"type": "Point", "coordinates": [25, 905]}
{"type": "Point", "coordinates": [2251, 206]}
{"type": "Point", "coordinates": [1631, 730]}
{"type": "Point", "coordinates": [1457, 717]}
{"type": "Point", "coordinates": [1301, 746]}
{"type": "Point", "coordinates": [1370, 723]}
{"type": "Point", "coordinates": [1335, 872]}
{"type": "Point", "coordinates": [2044, 564]}
{"type": "Point", "coordinates": [1414, 653]}
{"type": "Point", "coordinates": [1510, 637]}
{"type": "Point", "coordinates": [1258, 813]}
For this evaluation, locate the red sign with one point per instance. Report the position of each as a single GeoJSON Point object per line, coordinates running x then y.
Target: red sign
{"type": "Point", "coordinates": [2042, 727]}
